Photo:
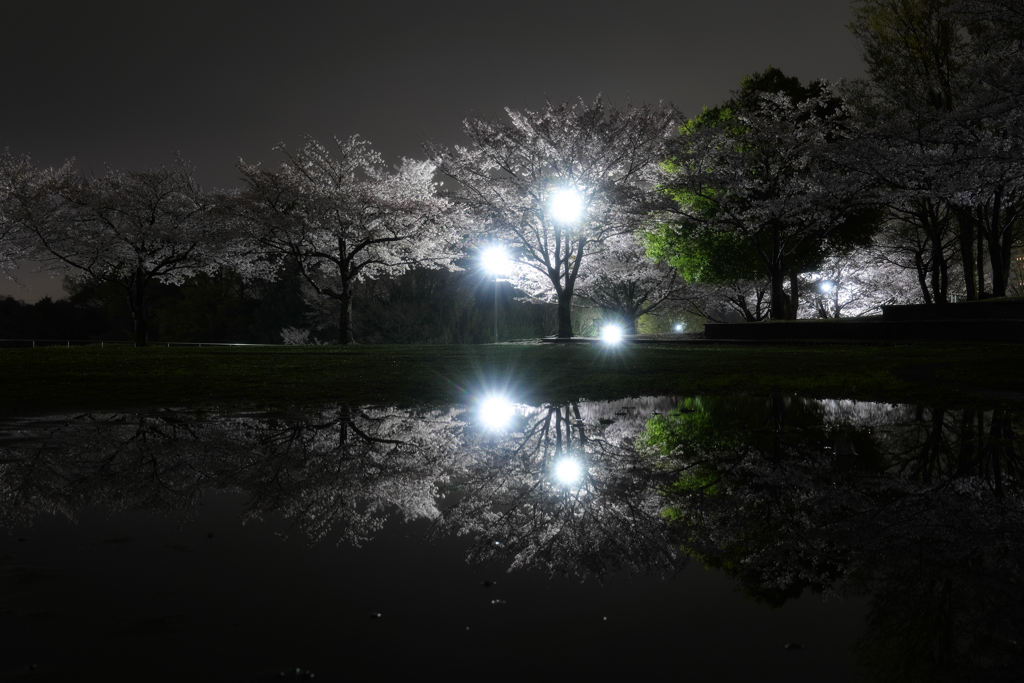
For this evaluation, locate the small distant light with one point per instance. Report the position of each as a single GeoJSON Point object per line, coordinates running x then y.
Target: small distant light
{"type": "Point", "coordinates": [496, 412]}
{"type": "Point", "coordinates": [566, 206]}
{"type": "Point", "coordinates": [568, 471]}
{"type": "Point", "coordinates": [611, 334]}
{"type": "Point", "coordinates": [679, 327]}
{"type": "Point", "coordinates": [826, 286]}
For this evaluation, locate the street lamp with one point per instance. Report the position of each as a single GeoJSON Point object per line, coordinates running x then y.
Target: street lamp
{"type": "Point", "coordinates": [496, 262]}
{"type": "Point", "coordinates": [566, 206]}
{"type": "Point", "coordinates": [611, 334]}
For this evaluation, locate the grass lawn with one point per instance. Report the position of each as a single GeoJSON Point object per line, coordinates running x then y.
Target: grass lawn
{"type": "Point", "coordinates": [86, 378]}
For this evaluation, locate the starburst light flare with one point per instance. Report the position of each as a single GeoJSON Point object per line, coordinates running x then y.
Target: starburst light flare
{"type": "Point", "coordinates": [495, 260]}
{"type": "Point", "coordinates": [611, 334]}
{"type": "Point", "coordinates": [568, 471]}
{"type": "Point", "coordinates": [496, 412]}
{"type": "Point", "coordinates": [567, 206]}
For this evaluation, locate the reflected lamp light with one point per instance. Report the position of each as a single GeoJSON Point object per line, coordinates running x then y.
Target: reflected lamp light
{"type": "Point", "coordinates": [566, 206]}
{"type": "Point", "coordinates": [568, 471]}
{"type": "Point", "coordinates": [496, 412]}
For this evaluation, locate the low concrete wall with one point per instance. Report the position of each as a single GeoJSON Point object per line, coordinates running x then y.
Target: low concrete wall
{"type": "Point", "coordinates": [927, 330]}
{"type": "Point", "coordinates": [977, 310]}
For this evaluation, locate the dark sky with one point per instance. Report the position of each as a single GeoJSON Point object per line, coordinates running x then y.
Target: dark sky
{"type": "Point", "coordinates": [127, 84]}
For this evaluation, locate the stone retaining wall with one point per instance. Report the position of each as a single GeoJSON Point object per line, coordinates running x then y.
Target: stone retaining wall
{"type": "Point", "coordinates": [877, 330]}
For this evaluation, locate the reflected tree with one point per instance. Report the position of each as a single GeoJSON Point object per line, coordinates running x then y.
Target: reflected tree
{"type": "Point", "coordinates": [518, 506]}
{"type": "Point", "coordinates": [337, 471]}
{"type": "Point", "coordinates": [920, 508]}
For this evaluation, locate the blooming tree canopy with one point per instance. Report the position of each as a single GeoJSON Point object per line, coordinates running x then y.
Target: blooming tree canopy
{"type": "Point", "coordinates": [942, 131]}
{"type": "Point", "coordinates": [19, 182]}
{"type": "Point", "coordinates": [344, 218]}
{"type": "Point", "coordinates": [760, 168]}
{"type": "Point", "coordinates": [621, 281]}
{"type": "Point", "coordinates": [129, 228]}
{"type": "Point", "coordinates": [858, 284]}
{"type": "Point", "coordinates": [553, 185]}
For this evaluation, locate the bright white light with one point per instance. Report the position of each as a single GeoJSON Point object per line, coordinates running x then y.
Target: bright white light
{"type": "Point", "coordinates": [568, 471]}
{"type": "Point", "coordinates": [679, 327]}
{"type": "Point", "coordinates": [826, 286]}
{"type": "Point", "coordinates": [496, 412]}
{"type": "Point", "coordinates": [566, 206]}
{"type": "Point", "coordinates": [495, 261]}
{"type": "Point", "coordinates": [611, 334]}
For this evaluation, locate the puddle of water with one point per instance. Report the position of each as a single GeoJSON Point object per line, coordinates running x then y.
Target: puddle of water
{"type": "Point", "coordinates": [171, 544]}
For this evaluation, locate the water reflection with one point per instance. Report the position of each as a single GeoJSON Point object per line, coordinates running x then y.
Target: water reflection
{"type": "Point", "coordinates": [568, 471]}
{"type": "Point", "coordinates": [496, 412]}
{"type": "Point", "coordinates": [513, 500]}
{"type": "Point", "coordinates": [333, 470]}
{"type": "Point", "coordinates": [918, 507]}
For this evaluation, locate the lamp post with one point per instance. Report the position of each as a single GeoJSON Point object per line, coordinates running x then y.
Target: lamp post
{"type": "Point", "coordinates": [496, 262]}
{"type": "Point", "coordinates": [830, 287]}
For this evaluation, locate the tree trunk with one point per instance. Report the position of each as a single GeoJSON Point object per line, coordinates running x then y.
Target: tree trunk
{"type": "Point", "coordinates": [572, 269]}
{"type": "Point", "coordinates": [346, 334]}
{"type": "Point", "coordinates": [141, 327]}
{"type": "Point", "coordinates": [780, 300]}
{"type": "Point", "coordinates": [966, 234]}
{"type": "Point", "coordinates": [981, 262]}
{"type": "Point", "coordinates": [999, 248]}
{"type": "Point", "coordinates": [938, 291]}
{"type": "Point", "coordinates": [794, 295]}
{"type": "Point", "coordinates": [922, 277]}
{"type": "Point", "coordinates": [139, 315]}
{"type": "Point", "coordinates": [565, 314]}
{"type": "Point", "coordinates": [344, 420]}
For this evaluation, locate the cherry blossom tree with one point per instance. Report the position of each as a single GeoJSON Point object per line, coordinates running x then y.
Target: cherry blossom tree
{"type": "Point", "coordinates": [858, 284]}
{"type": "Point", "coordinates": [988, 138]}
{"type": "Point", "coordinates": [942, 129]}
{"type": "Point", "coordinates": [514, 176]}
{"type": "Point", "coordinates": [761, 168]}
{"type": "Point", "coordinates": [625, 284]}
{"type": "Point", "coordinates": [129, 228]}
{"type": "Point", "coordinates": [18, 183]}
{"type": "Point", "coordinates": [345, 218]}
{"type": "Point", "coordinates": [748, 298]}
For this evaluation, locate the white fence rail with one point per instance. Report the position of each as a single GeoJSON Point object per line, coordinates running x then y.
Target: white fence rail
{"type": "Point", "coordinates": [39, 343]}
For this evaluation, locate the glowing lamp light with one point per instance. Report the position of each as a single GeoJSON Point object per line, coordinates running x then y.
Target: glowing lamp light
{"type": "Point", "coordinates": [566, 206]}
{"type": "Point", "coordinates": [826, 286]}
{"type": "Point", "coordinates": [496, 261]}
{"type": "Point", "coordinates": [496, 412]}
{"type": "Point", "coordinates": [568, 471]}
{"type": "Point", "coordinates": [611, 334]}
{"type": "Point", "coordinates": [679, 327]}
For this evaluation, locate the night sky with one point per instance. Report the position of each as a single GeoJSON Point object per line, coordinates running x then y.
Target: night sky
{"type": "Point", "coordinates": [127, 84]}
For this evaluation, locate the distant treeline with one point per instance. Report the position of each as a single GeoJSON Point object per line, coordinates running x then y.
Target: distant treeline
{"type": "Point", "coordinates": [421, 306]}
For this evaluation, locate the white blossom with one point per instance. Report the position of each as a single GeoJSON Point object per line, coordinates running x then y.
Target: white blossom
{"type": "Point", "coordinates": [511, 175]}
{"type": "Point", "coordinates": [344, 218]}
